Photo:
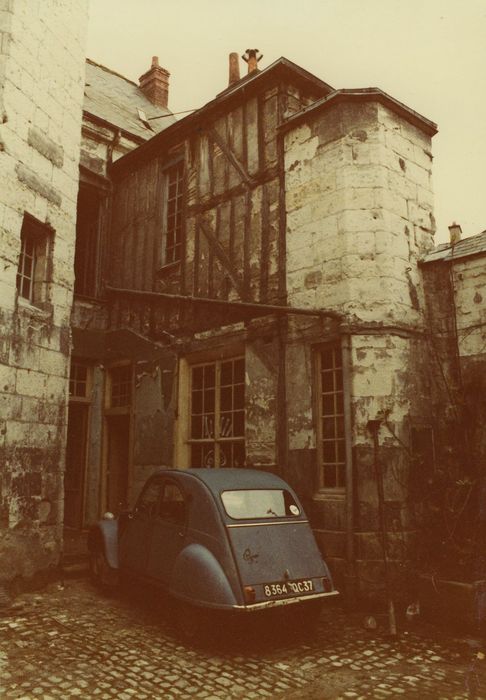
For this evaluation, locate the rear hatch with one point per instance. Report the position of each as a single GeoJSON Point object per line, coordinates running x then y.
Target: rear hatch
{"type": "Point", "coordinates": [276, 553]}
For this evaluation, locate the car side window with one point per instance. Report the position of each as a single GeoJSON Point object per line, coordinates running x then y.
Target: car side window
{"type": "Point", "coordinates": [149, 497]}
{"type": "Point", "coordinates": [172, 506]}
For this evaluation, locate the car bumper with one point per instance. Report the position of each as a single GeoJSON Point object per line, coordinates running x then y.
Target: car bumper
{"type": "Point", "coordinates": [280, 602]}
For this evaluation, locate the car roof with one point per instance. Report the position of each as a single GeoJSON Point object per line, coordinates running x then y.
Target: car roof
{"type": "Point", "coordinates": [218, 480]}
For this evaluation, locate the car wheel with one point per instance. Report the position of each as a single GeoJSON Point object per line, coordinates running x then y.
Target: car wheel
{"type": "Point", "coordinates": [100, 571]}
{"type": "Point", "coordinates": [190, 621]}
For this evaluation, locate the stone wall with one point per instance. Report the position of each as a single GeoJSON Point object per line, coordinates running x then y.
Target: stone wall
{"type": "Point", "coordinates": [41, 77]}
{"type": "Point", "coordinates": [359, 216]}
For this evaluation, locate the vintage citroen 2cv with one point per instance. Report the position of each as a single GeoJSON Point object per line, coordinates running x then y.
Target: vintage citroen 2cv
{"type": "Point", "coordinates": [214, 539]}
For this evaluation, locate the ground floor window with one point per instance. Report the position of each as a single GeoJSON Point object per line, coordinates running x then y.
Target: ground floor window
{"type": "Point", "coordinates": [331, 448]}
{"type": "Point", "coordinates": [217, 409]}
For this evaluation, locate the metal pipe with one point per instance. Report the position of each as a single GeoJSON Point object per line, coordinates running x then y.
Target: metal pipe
{"type": "Point", "coordinates": [374, 427]}
{"type": "Point", "coordinates": [350, 575]}
{"type": "Point", "coordinates": [245, 305]}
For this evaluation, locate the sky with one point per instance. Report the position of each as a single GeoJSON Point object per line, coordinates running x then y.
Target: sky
{"type": "Point", "coordinates": [429, 54]}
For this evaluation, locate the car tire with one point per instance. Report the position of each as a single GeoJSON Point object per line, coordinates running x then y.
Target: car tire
{"type": "Point", "coordinates": [191, 621]}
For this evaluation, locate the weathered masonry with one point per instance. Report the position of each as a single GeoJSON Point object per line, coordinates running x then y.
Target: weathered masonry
{"type": "Point", "coordinates": [41, 94]}
{"type": "Point", "coordinates": [262, 306]}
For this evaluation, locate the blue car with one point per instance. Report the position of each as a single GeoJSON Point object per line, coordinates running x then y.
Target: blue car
{"type": "Point", "coordinates": [214, 539]}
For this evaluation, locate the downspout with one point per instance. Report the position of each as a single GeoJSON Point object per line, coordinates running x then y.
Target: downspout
{"type": "Point", "coordinates": [282, 414]}
{"type": "Point", "coordinates": [351, 579]}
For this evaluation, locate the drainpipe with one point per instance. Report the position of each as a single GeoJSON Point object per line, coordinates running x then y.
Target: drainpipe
{"type": "Point", "coordinates": [374, 428]}
{"type": "Point", "coordinates": [351, 579]}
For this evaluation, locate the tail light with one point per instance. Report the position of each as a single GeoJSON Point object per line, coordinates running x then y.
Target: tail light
{"type": "Point", "coordinates": [326, 584]}
{"type": "Point", "coordinates": [249, 594]}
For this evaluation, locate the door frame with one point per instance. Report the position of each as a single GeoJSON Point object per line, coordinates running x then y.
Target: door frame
{"type": "Point", "coordinates": [108, 411]}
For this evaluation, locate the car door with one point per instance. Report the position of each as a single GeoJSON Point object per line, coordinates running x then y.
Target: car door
{"type": "Point", "coordinates": [168, 532]}
{"type": "Point", "coordinates": [136, 531]}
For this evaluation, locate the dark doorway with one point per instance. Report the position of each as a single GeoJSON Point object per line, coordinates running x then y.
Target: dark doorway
{"type": "Point", "coordinates": [74, 477]}
{"type": "Point", "coordinates": [117, 463]}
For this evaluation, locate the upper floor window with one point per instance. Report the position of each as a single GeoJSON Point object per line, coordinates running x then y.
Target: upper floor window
{"type": "Point", "coordinates": [32, 271]}
{"type": "Point", "coordinates": [121, 386]}
{"type": "Point", "coordinates": [173, 214]}
{"type": "Point", "coordinates": [79, 380]}
{"type": "Point", "coordinates": [331, 448]}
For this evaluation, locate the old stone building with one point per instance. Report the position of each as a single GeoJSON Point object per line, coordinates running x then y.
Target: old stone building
{"type": "Point", "coordinates": [256, 285]}
{"type": "Point", "coordinates": [261, 302]}
{"type": "Point", "coordinates": [42, 49]}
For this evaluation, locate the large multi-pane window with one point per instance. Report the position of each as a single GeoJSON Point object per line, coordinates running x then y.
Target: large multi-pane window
{"type": "Point", "coordinates": [173, 219]}
{"type": "Point", "coordinates": [217, 431]}
{"type": "Point", "coordinates": [330, 407]}
{"type": "Point", "coordinates": [32, 268]}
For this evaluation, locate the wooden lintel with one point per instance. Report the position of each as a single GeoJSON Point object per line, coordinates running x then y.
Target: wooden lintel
{"type": "Point", "coordinates": [218, 250]}
{"type": "Point", "coordinates": [238, 166]}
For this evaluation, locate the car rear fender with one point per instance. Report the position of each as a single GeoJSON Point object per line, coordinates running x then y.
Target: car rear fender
{"type": "Point", "coordinates": [199, 577]}
{"type": "Point", "coordinates": [105, 533]}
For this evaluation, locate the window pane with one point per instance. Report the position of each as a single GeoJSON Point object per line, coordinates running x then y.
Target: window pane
{"type": "Point", "coordinates": [226, 399]}
{"type": "Point", "coordinates": [327, 381]}
{"type": "Point", "coordinates": [239, 371]}
{"type": "Point", "coordinates": [329, 451]}
{"type": "Point", "coordinates": [209, 375]}
{"type": "Point", "coordinates": [239, 423]}
{"type": "Point", "coordinates": [197, 377]}
{"type": "Point", "coordinates": [197, 401]}
{"type": "Point", "coordinates": [328, 428]}
{"type": "Point", "coordinates": [226, 373]}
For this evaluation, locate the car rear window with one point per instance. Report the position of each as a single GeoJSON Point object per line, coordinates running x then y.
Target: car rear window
{"type": "Point", "coordinates": [259, 503]}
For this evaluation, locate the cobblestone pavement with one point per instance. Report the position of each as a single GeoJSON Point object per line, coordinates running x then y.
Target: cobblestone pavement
{"type": "Point", "coordinates": [72, 642]}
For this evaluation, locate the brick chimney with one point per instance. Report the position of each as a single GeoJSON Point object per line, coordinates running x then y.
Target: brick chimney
{"type": "Point", "coordinates": [251, 57]}
{"type": "Point", "coordinates": [234, 68]}
{"type": "Point", "coordinates": [455, 233]}
{"type": "Point", "coordinates": [155, 84]}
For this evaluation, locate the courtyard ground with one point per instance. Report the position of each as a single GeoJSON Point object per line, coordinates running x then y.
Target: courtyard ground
{"type": "Point", "coordinates": [69, 640]}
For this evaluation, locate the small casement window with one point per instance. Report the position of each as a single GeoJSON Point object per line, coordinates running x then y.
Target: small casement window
{"type": "Point", "coordinates": [121, 386]}
{"type": "Point", "coordinates": [173, 214]}
{"type": "Point", "coordinates": [32, 271]}
{"type": "Point", "coordinates": [331, 448]}
{"type": "Point", "coordinates": [79, 380]}
{"type": "Point", "coordinates": [217, 432]}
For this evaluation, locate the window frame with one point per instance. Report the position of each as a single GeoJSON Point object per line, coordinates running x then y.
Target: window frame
{"type": "Point", "coordinates": [86, 397]}
{"type": "Point", "coordinates": [321, 486]}
{"type": "Point", "coordinates": [217, 439]}
{"type": "Point", "coordinates": [170, 259]}
{"type": "Point", "coordinates": [41, 237]}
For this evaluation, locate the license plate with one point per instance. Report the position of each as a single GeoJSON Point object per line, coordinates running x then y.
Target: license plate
{"type": "Point", "coordinates": [276, 590]}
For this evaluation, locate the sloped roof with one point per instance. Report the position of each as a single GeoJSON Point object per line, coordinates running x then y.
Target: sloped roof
{"type": "Point", "coordinates": [244, 87]}
{"type": "Point", "coordinates": [115, 99]}
{"type": "Point", "coordinates": [362, 95]}
{"type": "Point", "coordinates": [473, 245]}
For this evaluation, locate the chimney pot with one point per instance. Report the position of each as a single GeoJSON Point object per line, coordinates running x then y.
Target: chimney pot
{"type": "Point", "coordinates": [455, 233]}
{"type": "Point", "coordinates": [234, 68]}
{"type": "Point", "coordinates": [155, 84]}
{"type": "Point", "coordinates": [251, 57]}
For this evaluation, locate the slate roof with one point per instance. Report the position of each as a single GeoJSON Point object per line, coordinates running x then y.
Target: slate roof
{"type": "Point", "coordinates": [115, 99]}
{"type": "Point", "coordinates": [473, 245]}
